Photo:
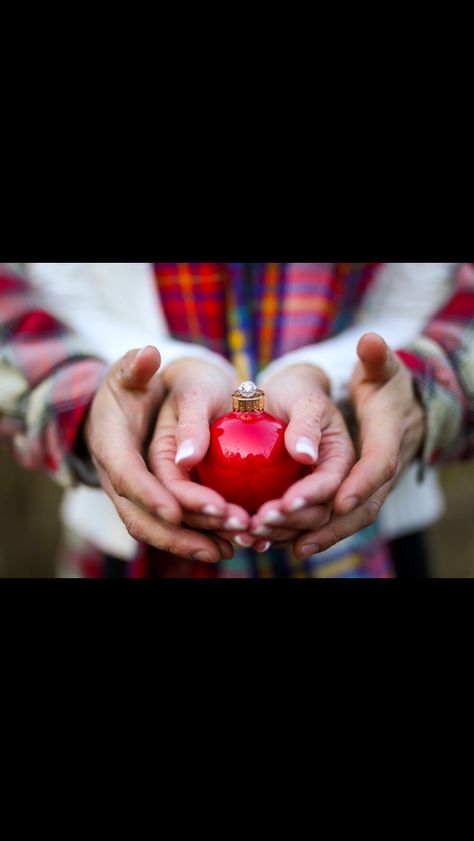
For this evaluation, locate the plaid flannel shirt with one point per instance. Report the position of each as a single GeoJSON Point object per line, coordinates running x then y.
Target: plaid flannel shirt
{"type": "Point", "coordinates": [441, 361]}
{"type": "Point", "coordinates": [47, 383]}
{"type": "Point", "coordinates": [48, 380]}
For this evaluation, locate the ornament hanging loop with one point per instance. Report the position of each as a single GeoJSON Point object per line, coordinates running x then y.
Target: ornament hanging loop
{"type": "Point", "coordinates": [248, 398]}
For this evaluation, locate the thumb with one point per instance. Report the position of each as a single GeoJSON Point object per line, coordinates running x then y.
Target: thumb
{"type": "Point", "coordinates": [137, 367]}
{"type": "Point", "coordinates": [378, 362]}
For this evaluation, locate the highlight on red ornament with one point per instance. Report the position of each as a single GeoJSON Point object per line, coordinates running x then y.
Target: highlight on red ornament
{"type": "Point", "coordinates": [247, 461]}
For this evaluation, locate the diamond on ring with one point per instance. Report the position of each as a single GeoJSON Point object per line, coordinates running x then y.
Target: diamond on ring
{"type": "Point", "coordinates": [248, 389]}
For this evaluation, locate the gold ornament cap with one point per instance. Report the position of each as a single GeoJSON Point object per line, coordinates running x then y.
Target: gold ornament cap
{"type": "Point", "coordinates": [248, 398]}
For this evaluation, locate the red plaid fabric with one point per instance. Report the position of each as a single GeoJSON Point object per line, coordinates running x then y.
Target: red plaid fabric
{"type": "Point", "coordinates": [442, 364]}
{"type": "Point", "coordinates": [47, 382]}
{"type": "Point", "coordinates": [256, 312]}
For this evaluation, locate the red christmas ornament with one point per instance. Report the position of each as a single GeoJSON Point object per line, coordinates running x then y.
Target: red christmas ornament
{"type": "Point", "coordinates": [247, 461]}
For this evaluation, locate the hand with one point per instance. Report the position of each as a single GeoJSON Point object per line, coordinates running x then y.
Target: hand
{"type": "Point", "coordinates": [116, 432]}
{"type": "Point", "coordinates": [198, 394]}
{"type": "Point", "coordinates": [392, 429]}
{"type": "Point", "coordinates": [316, 436]}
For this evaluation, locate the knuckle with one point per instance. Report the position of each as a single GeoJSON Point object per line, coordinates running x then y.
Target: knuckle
{"type": "Point", "coordinates": [392, 466]}
{"type": "Point", "coordinates": [134, 528]}
{"type": "Point", "coordinates": [104, 460]}
{"type": "Point", "coordinates": [172, 547]}
{"type": "Point", "coordinates": [189, 398]}
{"type": "Point", "coordinates": [331, 537]}
{"type": "Point", "coordinates": [163, 446]}
{"type": "Point", "coordinates": [120, 484]}
{"type": "Point", "coordinates": [371, 511]}
{"type": "Point", "coordinates": [310, 413]}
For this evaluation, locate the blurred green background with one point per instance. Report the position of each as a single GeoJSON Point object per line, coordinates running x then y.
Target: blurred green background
{"type": "Point", "coordinates": [29, 528]}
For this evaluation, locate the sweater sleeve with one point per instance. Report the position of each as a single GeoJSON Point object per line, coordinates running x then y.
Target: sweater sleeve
{"type": "Point", "coordinates": [441, 360]}
{"type": "Point", "coordinates": [112, 308]}
{"type": "Point", "coordinates": [48, 379]}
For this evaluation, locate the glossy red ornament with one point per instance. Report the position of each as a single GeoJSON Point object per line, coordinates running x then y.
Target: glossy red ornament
{"type": "Point", "coordinates": [247, 461]}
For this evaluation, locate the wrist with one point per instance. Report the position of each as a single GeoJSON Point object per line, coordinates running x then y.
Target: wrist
{"type": "Point", "coordinates": [80, 457]}
{"type": "Point", "coordinates": [421, 420]}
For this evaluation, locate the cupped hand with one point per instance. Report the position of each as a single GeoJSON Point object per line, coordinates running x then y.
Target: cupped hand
{"type": "Point", "coordinates": [116, 431]}
{"type": "Point", "coordinates": [317, 437]}
{"type": "Point", "coordinates": [391, 432]}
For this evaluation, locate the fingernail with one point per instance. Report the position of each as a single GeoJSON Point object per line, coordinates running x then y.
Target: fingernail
{"type": "Point", "coordinates": [185, 451]}
{"type": "Point", "coordinates": [297, 505]}
{"type": "Point", "coordinates": [226, 548]}
{"type": "Point", "coordinates": [308, 550]}
{"type": "Point", "coordinates": [211, 511]}
{"type": "Point", "coordinates": [305, 446]}
{"type": "Point", "coordinates": [349, 504]}
{"type": "Point", "coordinates": [263, 547]}
{"type": "Point", "coordinates": [243, 540]}
{"type": "Point", "coordinates": [273, 517]}
{"type": "Point", "coordinates": [234, 524]}
{"type": "Point", "coordinates": [129, 362]}
{"type": "Point", "coordinates": [203, 556]}
{"type": "Point", "coordinates": [262, 531]}
{"type": "Point", "coordinates": [137, 355]}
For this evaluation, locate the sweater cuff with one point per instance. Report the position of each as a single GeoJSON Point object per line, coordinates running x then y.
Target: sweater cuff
{"type": "Point", "coordinates": [55, 413]}
{"type": "Point", "coordinates": [437, 391]}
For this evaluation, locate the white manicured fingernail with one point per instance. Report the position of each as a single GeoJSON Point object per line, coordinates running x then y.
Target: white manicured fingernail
{"type": "Point", "coordinates": [185, 451]}
{"type": "Point", "coordinates": [211, 511]}
{"type": "Point", "coordinates": [262, 531]}
{"type": "Point", "coordinates": [264, 547]}
{"type": "Point", "coordinates": [297, 505]}
{"type": "Point", "coordinates": [304, 446]}
{"type": "Point", "coordinates": [245, 541]}
{"type": "Point", "coordinates": [234, 524]}
{"type": "Point", "coordinates": [273, 517]}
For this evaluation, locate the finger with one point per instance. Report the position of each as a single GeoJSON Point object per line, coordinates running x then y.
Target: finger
{"type": "Point", "coordinates": [258, 545]}
{"type": "Point", "coordinates": [381, 436]}
{"type": "Point", "coordinates": [162, 459]}
{"type": "Point", "coordinates": [131, 479]}
{"type": "Point", "coordinates": [304, 519]}
{"type": "Point", "coordinates": [284, 544]}
{"type": "Point", "coordinates": [193, 436]}
{"type": "Point", "coordinates": [278, 535]}
{"type": "Point", "coordinates": [242, 539]}
{"type": "Point", "coordinates": [336, 458]}
{"type": "Point", "coordinates": [234, 519]}
{"type": "Point", "coordinates": [175, 540]}
{"type": "Point", "coordinates": [379, 362]}
{"type": "Point", "coordinates": [193, 497]}
{"type": "Point", "coordinates": [137, 367]}
{"type": "Point", "coordinates": [227, 550]}
{"type": "Point", "coordinates": [303, 434]}
{"type": "Point", "coordinates": [320, 487]}
{"type": "Point", "coordinates": [342, 527]}
{"type": "Point", "coordinates": [285, 537]}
